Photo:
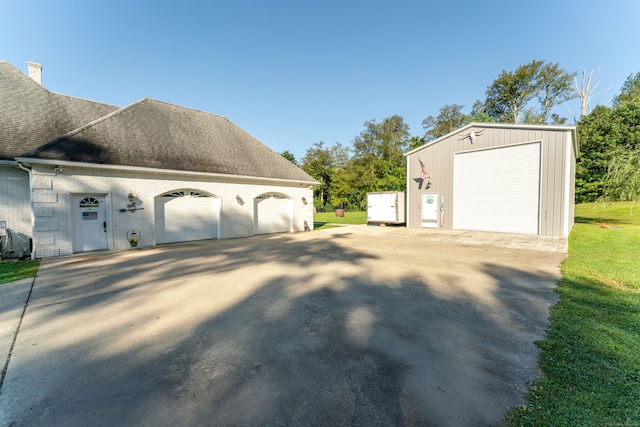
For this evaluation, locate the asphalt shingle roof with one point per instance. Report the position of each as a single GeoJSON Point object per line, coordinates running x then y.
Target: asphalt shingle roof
{"type": "Point", "coordinates": [155, 134]}
{"type": "Point", "coordinates": [31, 115]}
{"type": "Point", "coordinates": [38, 124]}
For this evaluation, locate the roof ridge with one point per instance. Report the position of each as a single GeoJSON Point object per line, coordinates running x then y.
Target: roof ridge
{"type": "Point", "coordinates": [84, 99]}
{"type": "Point", "coordinates": [187, 108]}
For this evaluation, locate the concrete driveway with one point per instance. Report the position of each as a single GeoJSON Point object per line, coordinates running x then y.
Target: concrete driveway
{"type": "Point", "coordinates": [349, 326]}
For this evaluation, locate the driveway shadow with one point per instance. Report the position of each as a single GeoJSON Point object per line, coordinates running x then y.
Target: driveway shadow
{"type": "Point", "coordinates": [281, 330]}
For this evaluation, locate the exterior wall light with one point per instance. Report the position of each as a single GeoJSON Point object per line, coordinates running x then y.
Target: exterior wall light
{"type": "Point", "coordinates": [239, 199]}
{"type": "Point", "coordinates": [304, 200]}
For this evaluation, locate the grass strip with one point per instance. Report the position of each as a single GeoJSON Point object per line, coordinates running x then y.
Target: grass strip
{"type": "Point", "coordinates": [590, 358]}
{"type": "Point", "coordinates": [15, 270]}
{"type": "Point", "coordinates": [324, 220]}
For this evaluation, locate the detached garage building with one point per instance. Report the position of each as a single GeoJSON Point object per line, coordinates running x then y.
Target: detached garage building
{"type": "Point", "coordinates": [495, 177]}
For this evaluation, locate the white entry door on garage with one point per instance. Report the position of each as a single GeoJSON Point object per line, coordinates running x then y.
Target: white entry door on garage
{"type": "Point", "coordinates": [273, 213]}
{"type": "Point", "coordinates": [90, 229]}
{"type": "Point", "coordinates": [498, 189]}
{"type": "Point", "coordinates": [183, 216]}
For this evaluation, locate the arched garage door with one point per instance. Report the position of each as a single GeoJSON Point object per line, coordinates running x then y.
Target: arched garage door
{"type": "Point", "coordinates": [183, 216]}
{"type": "Point", "coordinates": [273, 213]}
{"type": "Point", "coordinates": [497, 189]}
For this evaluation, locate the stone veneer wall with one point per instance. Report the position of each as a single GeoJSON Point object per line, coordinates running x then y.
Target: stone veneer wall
{"type": "Point", "coordinates": [14, 206]}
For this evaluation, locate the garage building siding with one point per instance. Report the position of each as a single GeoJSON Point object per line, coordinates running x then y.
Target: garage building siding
{"type": "Point", "coordinates": [55, 234]}
{"type": "Point", "coordinates": [558, 153]}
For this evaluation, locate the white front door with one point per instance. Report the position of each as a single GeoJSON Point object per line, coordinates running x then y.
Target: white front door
{"type": "Point", "coordinates": [90, 223]}
{"type": "Point", "coordinates": [429, 210]}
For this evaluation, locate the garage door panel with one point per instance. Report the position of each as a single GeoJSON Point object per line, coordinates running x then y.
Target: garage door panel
{"type": "Point", "coordinates": [273, 215]}
{"type": "Point", "coordinates": [498, 189]}
{"type": "Point", "coordinates": [186, 216]}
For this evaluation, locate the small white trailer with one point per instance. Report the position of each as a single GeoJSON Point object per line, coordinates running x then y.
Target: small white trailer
{"type": "Point", "coordinates": [386, 207]}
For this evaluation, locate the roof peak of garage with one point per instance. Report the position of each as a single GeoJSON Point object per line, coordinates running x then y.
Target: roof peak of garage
{"type": "Point", "coordinates": [498, 126]}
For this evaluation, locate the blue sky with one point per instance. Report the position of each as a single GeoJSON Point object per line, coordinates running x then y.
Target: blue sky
{"type": "Point", "coordinates": [295, 72]}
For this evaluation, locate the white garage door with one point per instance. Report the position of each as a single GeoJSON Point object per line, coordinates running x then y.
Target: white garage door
{"type": "Point", "coordinates": [273, 213]}
{"type": "Point", "coordinates": [497, 189]}
{"type": "Point", "coordinates": [184, 216]}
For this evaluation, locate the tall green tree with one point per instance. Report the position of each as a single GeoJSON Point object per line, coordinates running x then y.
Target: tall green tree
{"type": "Point", "coordinates": [596, 145]}
{"type": "Point", "coordinates": [510, 93]}
{"type": "Point", "coordinates": [554, 88]}
{"type": "Point", "coordinates": [377, 162]}
{"type": "Point", "coordinates": [622, 180]}
{"type": "Point", "coordinates": [609, 136]}
{"type": "Point", "coordinates": [479, 113]}
{"type": "Point", "coordinates": [318, 162]}
{"type": "Point", "coordinates": [449, 118]}
{"type": "Point", "coordinates": [509, 96]}
{"type": "Point", "coordinates": [289, 156]}
{"type": "Point", "coordinates": [630, 90]}
{"type": "Point", "coordinates": [417, 141]}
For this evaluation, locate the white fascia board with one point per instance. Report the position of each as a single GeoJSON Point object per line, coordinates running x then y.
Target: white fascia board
{"type": "Point", "coordinates": [27, 160]}
{"type": "Point", "coordinates": [438, 139]}
{"type": "Point", "coordinates": [499, 126]}
{"type": "Point", "coordinates": [567, 185]}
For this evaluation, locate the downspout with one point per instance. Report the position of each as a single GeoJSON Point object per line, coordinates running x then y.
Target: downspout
{"type": "Point", "coordinates": [33, 219]}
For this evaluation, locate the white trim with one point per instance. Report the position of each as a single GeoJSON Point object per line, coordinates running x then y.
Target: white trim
{"type": "Point", "coordinates": [533, 141]}
{"type": "Point", "coordinates": [567, 186]}
{"type": "Point", "coordinates": [407, 208]}
{"type": "Point", "coordinates": [497, 126]}
{"type": "Point", "coordinates": [159, 171]}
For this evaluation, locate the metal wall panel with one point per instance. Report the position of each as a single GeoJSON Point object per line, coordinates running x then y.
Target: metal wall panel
{"type": "Point", "coordinates": [437, 157]}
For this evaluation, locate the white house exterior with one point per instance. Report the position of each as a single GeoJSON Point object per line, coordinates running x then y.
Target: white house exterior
{"type": "Point", "coordinates": [85, 176]}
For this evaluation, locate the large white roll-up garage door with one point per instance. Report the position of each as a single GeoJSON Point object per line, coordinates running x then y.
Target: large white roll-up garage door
{"type": "Point", "coordinates": [497, 189]}
{"type": "Point", "coordinates": [183, 216]}
{"type": "Point", "coordinates": [273, 213]}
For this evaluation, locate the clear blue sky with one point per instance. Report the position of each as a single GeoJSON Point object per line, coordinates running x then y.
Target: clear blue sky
{"type": "Point", "coordinates": [295, 72]}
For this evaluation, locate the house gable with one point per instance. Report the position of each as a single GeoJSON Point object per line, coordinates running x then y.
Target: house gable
{"type": "Point", "coordinates": [31, 115]}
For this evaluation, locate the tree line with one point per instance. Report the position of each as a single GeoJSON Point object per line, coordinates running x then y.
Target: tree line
{"type": "Point", "coordinates": [608, 166]}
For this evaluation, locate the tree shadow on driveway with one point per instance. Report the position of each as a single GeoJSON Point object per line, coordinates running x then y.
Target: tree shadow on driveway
{"type": "Point", "coordinates": [280, 330]}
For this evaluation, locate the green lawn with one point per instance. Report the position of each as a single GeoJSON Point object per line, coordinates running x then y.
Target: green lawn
{"type": "Point", "coordinates": [322, 220]}
{"type": "Point", "coordinates": [15, 270]}
{"type": "Point", "coordinates": [590, 358]}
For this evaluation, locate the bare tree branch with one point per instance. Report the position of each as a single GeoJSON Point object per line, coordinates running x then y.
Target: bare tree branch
{"type": "Point", "coordinates": [586, 92]}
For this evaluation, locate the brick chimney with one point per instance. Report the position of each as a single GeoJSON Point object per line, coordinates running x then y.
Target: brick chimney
{"type": "Point", "coordinates": [35, 72]}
